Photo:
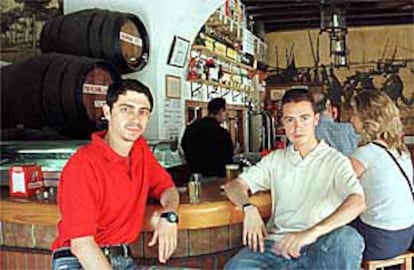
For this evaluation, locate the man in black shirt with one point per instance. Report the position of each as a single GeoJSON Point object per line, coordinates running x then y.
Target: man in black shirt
{"type": "Point", "coordinates": [207, 146]}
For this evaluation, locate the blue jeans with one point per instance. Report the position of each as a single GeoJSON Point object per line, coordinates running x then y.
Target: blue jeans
{"type": "Point", "coordinates": [117, 262]}
{"type": "Point", "coordinates": [340, 249]}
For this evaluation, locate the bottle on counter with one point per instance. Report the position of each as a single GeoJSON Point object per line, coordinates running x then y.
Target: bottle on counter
{"type": "Point", "coordinates": [194, 188]}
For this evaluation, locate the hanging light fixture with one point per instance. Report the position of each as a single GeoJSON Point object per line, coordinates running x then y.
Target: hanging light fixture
{"type": "Point", "coordinates": [333, 21]}
{"type": "Point", "coordinates": [338, 49]}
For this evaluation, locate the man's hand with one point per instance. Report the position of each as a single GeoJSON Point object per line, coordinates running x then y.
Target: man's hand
{"type": "Point", "coordinates": [254, 229]}
{"type": "Point", "coordinates": [166, 235]}
{"type": "Point", "coordinates": [289, 246]}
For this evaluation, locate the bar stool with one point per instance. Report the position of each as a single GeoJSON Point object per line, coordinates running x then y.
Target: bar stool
{"type": "Point", "coordinates": [405, 260]}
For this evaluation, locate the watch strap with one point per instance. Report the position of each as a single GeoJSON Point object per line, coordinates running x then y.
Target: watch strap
{"type": "Point", "coordinates": [170, 216]}
{"type": "Point", "coordinates": [244, 206]}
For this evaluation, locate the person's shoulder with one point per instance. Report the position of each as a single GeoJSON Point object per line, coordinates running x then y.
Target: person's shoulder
{"type": "Point", "coordinates": [88, 151]}
{"type": "Point", "coordinates": [369, 147]}
{"type": "Point", "coordinates": [324, 119]}
{"type": "Point", "coordinates": [141, 143]}
{"type": "Point", "coordinates": [343, 129]}
{"type": "Point", "coordinates": [223, 133]}
{"type": "Point", "coordinates": [198, 121]}
{"type": "Point", "coordinates": [327, 126]}
{"type": "Point", "coordinates": [85, 156]}
{"type": "Point", "coordinates": [337, 159]}
{"type": "Point", "coordinates": [195, 125]}
{"type": "Point", "coordinates": [224, 130]}
{"type": "Point", "coordinates": [345, 125]}
{"type": "Point", "coordinates": [277, 153]}
{"type": "Point", "coordinates": [207, 121]}
{"type": "Point", "coordinates": [367, 153]}
{"type": "Point", "coordinates": [331, 151]}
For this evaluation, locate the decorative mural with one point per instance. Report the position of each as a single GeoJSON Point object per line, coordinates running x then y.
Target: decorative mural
{"type": "Point", "coordinates": [21, 24]}
{"type": "Point", "coordinates": [379, 57]}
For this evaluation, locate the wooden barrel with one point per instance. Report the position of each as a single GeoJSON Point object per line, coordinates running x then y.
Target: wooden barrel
{"type": "Point", "coordinates": [64, 92]}
{"type": "Point", "coordinates": [120, 38]}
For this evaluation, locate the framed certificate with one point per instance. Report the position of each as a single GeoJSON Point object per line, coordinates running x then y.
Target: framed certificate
{"type": "Point", "coordinates": [178, 52]}
{"type": "Point", "coordinates": [172, 86]}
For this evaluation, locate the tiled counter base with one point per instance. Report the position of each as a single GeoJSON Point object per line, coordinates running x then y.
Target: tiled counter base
{"type": "Point", "coordinates": [24, 258]}
{"type": "Point", "coordinates": [25, 246]}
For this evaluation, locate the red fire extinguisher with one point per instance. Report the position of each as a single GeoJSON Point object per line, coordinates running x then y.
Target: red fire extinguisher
{"type": "Point", "coordinates": [192, 69]}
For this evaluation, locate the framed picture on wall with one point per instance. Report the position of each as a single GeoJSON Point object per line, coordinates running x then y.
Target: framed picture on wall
{"type": "Point", "coordinates": [178, 52]}
{"type": "Point", "coordinates": [172, 86]}
{"type": "Point", "coordinates": [277, 93]}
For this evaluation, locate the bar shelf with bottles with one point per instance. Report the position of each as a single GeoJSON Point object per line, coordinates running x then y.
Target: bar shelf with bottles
{"type": "Point", "coordinates": [217, 55]}
{"type": "Point", "coordinates": [226, 57]}
{"type": "Point", "coordinates": [218, 65]}
{"type": "Point", "coordinates": [246, 89]}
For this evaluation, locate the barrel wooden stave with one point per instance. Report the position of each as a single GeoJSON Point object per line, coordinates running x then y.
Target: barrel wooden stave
{"type": "Point", "coordinates": [21, 92]}
{"type": "Point", "coordinates": [53, 94]}
{"type": "Point", "coordinates": [97, 33]}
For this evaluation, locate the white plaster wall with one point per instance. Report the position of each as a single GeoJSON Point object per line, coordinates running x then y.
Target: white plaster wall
{"type": "Point", "coordinates": [163, 19]}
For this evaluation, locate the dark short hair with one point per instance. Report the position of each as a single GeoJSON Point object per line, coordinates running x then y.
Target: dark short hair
{"type": "Point", "coordinates": [215, 105]}
{"type": "Point", "coordinates": [297, 95]}
{"type": "Point", "coordinates": [321, 105]}
{"type": "Point", "coordinates": [117, 89]}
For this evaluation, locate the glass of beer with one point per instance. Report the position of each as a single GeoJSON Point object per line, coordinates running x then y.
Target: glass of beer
{"type": "Point", "coordinates": [232, 171]}
{"type": "Point", "coordinates": [194, 187]}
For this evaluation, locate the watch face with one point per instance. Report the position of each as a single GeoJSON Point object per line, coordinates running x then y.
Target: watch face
{"type": "Point", "coordinates": [172, 217]}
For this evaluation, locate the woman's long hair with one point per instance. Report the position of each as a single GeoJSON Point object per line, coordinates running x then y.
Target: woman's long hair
{"type": "Point", "coordinates": [380, 119]}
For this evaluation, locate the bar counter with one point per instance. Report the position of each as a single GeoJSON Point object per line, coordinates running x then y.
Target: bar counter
{"type": "Point", "coordinates": [209, 231]}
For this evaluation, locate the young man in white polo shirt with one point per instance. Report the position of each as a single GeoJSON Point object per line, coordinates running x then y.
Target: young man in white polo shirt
{"type": "Point", "coordinates": [314, 192]}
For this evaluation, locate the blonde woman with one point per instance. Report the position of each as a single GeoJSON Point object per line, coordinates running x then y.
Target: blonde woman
{"type": "Point", "coordinates": [380, 162]}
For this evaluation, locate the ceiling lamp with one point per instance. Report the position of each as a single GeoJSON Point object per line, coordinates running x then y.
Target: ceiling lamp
{"type": "Point", "coordinates": [333, 21]}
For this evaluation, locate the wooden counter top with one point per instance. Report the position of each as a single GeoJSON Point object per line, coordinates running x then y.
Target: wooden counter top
{"type": "Point", "coordinates": [214, 210]}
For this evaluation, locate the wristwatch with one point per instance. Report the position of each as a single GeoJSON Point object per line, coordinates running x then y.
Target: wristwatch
{"type": "Point", "coordinates": [170, 216]}
{"type": "Point", "coordinates": [244, 206]}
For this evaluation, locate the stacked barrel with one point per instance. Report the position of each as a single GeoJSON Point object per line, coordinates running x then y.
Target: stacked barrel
{"type": "Point", "coordinates": [120, 38]}
{"type": "Point", "coordinates": [65, 87]}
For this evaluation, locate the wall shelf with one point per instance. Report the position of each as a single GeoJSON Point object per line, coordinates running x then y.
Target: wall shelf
{"type": "Point", "coordinates": [221, 85]}
{"type": "Point", "coordinates": [221, 57]}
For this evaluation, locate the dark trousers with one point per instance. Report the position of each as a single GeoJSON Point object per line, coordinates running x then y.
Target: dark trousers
{"type": "Point", "coordinates": [383, 244]}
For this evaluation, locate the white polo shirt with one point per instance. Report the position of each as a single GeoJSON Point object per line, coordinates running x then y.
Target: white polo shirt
{"type": "Point", "coordinates": [303, 191]}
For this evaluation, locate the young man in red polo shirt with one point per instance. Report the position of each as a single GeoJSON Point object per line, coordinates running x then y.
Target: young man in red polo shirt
{"type": "Point", "coordinates": [104, 188]}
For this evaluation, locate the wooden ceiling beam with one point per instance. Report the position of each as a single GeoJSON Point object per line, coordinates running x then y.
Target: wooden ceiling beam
{"type": "Point", "coordinates": [258, 6]}
{"type": "Point", "coordinates": [288, 19]}
{"type": "Point", "coordinates": [302, 14]}
{"type": "Point", "coordinates": [274, 27]}
{"type": "Point", "coordinates": [349, 10]}
{"type": "Point", "coordinates": [252, 4]}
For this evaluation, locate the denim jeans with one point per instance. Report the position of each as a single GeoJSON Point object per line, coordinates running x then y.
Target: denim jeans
{"type": "Point", "coordinates": [117, 262]}
{"type": "Point", "coordinates": [340, 249]}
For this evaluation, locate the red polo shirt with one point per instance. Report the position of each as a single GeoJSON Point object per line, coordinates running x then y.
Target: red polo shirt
{"type": "Point", "coordinates": [104, 195]}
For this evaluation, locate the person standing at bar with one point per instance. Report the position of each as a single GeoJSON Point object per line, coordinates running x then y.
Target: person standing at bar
{"type": "Point", "coordinates": [207, 146]}
{"type": "Point", "coordinates": [314, 192]}
{"type": "Point", "coordinates": [104, 188]}
{"type": "Point", "coordinates": [340, 136]}
{"type": "Point", "coordinates": [383, 164]}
